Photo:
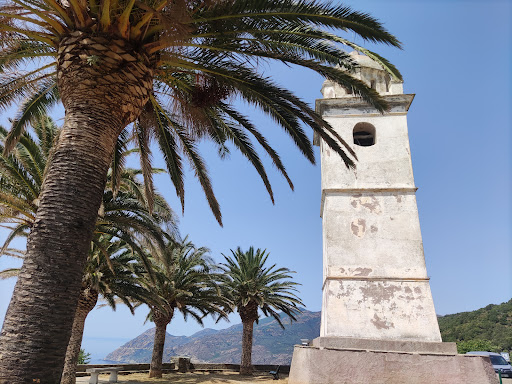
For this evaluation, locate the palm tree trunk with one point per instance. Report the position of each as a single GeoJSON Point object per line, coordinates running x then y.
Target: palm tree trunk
{"type": "Point", "coordinates": [246, 362]}
{"type": "Point", "coordinates": [86, 303]}
{"type": "Point", "coordinates": [100, 100]}
{"type": "Point", "coordinates": [161, 321]}
{"type": "Point", "coordinates": [248, 315]}
{"type": "Point", "coordinates": [155, 369]}
{"type": "Point", "coordinates": [39, 319]}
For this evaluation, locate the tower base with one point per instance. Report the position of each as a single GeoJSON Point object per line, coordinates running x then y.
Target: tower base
{"type": "Point", "coordinates": [374, 345]}
{"type": "Point", "coordinates": [320, 365]}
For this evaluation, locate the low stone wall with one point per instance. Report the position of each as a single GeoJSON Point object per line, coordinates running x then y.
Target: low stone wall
{"type": "Point", "coordinates": [236, 367]}
{"type": "Point", "coordinates": [193, 367]}
{"type": "Point", "coordinates": [125, 367]}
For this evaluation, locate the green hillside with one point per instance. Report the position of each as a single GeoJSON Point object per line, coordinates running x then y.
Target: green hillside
{"type": "Point", "coordinates": [488, 328]}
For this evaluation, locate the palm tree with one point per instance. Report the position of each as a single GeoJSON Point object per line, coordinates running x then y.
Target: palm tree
{"type": "Point", "coordinates": [182, 280]}
{"type": "Point", "coordinates": [113, 271]}
{"type": "Point", "coordinates": [123, 226]}
{"type": "Point", "coordinates": [250, 285]}
{"type": "Point", "coordinates": [170, 67]}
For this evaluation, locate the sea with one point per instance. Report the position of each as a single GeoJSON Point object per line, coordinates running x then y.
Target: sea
{"type": "Point", "coordinates": [100, 347]}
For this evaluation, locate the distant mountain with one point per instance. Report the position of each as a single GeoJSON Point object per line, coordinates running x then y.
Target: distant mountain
{"type": "Point", "coordinates": [492, 324]}
{"type": "Point", "coordinates": [272, 344]}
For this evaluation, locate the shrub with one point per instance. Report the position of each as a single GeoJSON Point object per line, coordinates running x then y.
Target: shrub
{"type": "Point", "coordinates": [84, 357]}
{"type": "Point", "coordinates": [476, 345]}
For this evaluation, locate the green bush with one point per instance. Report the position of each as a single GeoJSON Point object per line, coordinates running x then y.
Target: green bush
{"type": "Point", "coordinates": [476, 345]}
{"type": "Point", "coordinates": [84, 357]}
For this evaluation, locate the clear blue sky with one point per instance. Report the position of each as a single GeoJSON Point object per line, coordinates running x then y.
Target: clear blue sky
{"type": "Point", "coordinates": [457, 60]}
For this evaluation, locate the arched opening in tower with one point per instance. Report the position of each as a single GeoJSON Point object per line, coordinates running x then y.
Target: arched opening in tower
{"type": "Point", "coordinates": [364, 134]}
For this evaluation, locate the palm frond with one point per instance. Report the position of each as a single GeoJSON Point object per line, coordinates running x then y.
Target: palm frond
{"type": "Point", "coordinates": [300, 12]}
{"type": "Point", "coordinates": [249, 283]}
{"type": "Point", "coordinates": [168, 146]}
{"type": "Point", "coordinates": [203, 56]}
{"type": "Point", "coordinates": [19, 230]}
{"type": "Point", "coordinates": [142, 136]}
{"type": "Point", "coordinates": [189, 149]}
{"type": "Point", "coordinates": [118, 161]}
{"type": "Point", "coordinates": [8, 273]}
{"type": "Point", "coordinates": [37, 105]}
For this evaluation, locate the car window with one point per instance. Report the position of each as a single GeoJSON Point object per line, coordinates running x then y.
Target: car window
{"type": "Point", "coordinates": [498, 360]}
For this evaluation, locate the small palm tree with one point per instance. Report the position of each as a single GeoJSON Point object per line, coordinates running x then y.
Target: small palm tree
{"type": "Point", "coordinates": [171, 67]}
{"type": "Point", "coordinates": [182, 280]}
{"type": "Point", "coordinates": [250, 285]}
{"type": "Point", "coordinates": [112, 271]}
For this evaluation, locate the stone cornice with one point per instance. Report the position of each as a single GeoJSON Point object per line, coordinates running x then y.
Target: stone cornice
{"type": "Point", "coordinates": [375, 279]}
{"type": "Point", "coordinates": [353, 105]}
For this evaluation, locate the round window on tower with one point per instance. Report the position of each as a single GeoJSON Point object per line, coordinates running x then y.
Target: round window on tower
{"type": "Point", "coordinates": [364, 134]}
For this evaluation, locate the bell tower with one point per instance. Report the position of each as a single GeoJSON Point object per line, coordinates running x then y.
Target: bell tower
{"type": "Point", "coordinates": [378, 322]}
{"type": "Point", "coordinates": [375, 283]}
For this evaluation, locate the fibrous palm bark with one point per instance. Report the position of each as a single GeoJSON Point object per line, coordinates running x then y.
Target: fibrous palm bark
{"type": "Point", "coordinates": [248, 315]}
{"type": "Point", "coordinates": [100, 99]}
{"type": "Point", "coordinates": [86, 303]}
{"type": "Point", "coordinates": [161, 320]}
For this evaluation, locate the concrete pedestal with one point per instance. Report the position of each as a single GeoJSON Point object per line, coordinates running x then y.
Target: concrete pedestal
{"type": "Point", "coordinates": [314, 365]}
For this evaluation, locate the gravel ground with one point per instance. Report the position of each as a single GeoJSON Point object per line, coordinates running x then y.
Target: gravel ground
{"type": "Point", "coordinates": [191, 378]}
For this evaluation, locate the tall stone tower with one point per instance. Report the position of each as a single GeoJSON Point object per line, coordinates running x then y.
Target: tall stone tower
{"type": "Point", "coordinates": [375, 283]}
{"type": "Point", "coordinates": [378, 322]}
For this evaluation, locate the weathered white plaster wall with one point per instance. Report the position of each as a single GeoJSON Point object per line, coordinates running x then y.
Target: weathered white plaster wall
{"type": "Point", "coordinates": [383, 165]}
{"type": "Point", "coordinates": [373, 235]}
{"type": "Point", "coordinates": [387, 309]}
